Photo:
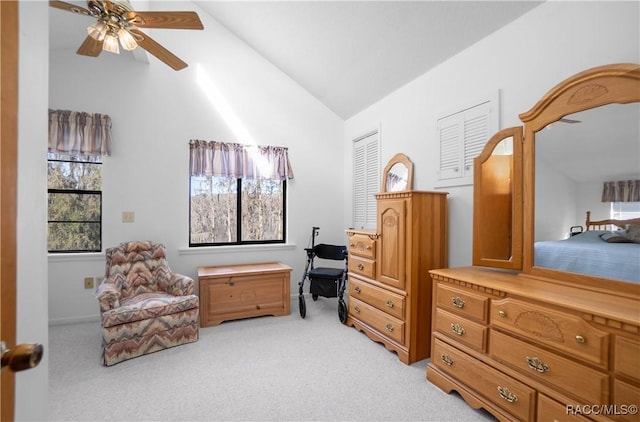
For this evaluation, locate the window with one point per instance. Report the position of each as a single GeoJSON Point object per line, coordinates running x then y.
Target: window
{"type": "Point", "coordinates": [77, 142]}
{"type": "Point", "coordinates": [461, 138]}
{"type": "Point", "coordinates": [219, 216]}
{"type": "Point", "coordinates": [625, 210]}
{"type": "Point", "coordinates": [74, 203]}
{"type": "Point", "coordinates": [238, 193]}
{"type": "Point", "coordinates": [366, 180]}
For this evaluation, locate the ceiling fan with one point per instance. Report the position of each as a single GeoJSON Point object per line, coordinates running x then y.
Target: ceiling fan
{"type": "Point", "coordinates": [116, 20]}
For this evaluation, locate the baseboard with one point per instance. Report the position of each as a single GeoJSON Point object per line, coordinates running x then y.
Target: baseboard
{"type": "Point", "coordinates": [73, 320]}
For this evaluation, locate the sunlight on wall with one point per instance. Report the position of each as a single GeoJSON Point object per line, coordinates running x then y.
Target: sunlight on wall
{"type": "Point", "coordinates": [223, 107]}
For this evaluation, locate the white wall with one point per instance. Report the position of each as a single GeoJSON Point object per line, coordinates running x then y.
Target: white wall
{"type": "Point", "coordinates": [523, 60]}
{"type": "Point", "coordinates": [155, 112]}
{"type": "Point", "coordinates": [32, 386]}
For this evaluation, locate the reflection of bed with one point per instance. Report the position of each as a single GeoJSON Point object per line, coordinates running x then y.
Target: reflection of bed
{"type": "Point", "coordinates": [588, 253]}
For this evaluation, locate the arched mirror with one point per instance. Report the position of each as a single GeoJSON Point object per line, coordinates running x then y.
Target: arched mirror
{"type": "Point", "coordinates": [583, 133]}
{"type": "Point", "coordinates": [497, 201]}
{"type": "Point", "coordinates": [398, 174]}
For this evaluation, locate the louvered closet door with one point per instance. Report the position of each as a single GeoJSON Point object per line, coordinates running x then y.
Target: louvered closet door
{"type": "Point", "coordinates": [366, 181]}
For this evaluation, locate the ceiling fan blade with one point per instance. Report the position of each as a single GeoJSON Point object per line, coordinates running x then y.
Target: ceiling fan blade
{"type": "Point", "coordinates": [157, 50]}
{"type": "Point", "coordinates": [169, 20]}
{"type": "Point", "coordinates": [69, 7]}
{"type": "Point", "coordinates": [569, 121]}
{"type": "Point", "coordinates": [90, 47]}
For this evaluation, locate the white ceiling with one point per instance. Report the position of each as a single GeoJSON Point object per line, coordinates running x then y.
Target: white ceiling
{"type": "Point", "coordinates": [347, 54]}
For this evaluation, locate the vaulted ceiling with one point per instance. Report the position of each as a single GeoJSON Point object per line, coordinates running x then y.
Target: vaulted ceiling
{"type": "Point", "coordinates": [347, 54]}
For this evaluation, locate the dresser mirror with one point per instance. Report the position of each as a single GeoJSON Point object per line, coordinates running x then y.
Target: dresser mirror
{"type": "Point", "coordinates": [398, 174]}
{"type": "Point", "coordinates": [580, 134]}
{"type": "Point", "coordinates": [583, 132]}
{"type": "Point", "coordinates": [497, 201]}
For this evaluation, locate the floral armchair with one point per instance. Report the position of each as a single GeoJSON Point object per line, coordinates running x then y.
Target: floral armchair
{"type": "Point", "coordinates": [144, 306]}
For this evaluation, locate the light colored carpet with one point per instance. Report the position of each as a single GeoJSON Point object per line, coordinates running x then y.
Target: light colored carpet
{"type": "Point", "coordinates": [259, 369]}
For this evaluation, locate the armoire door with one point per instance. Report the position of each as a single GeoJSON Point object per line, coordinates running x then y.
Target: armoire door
{"type": "Point", "coordinates": [392, 250]}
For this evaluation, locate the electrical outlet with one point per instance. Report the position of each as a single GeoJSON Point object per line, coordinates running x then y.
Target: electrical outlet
{"type": "Point", "coordinates": [88, 282]}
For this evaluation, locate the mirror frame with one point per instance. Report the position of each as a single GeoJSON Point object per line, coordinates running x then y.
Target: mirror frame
{"type": "Point", "coordinates": [399, 158]}
{"type": "Point", "coordinates": [515, 260]}
{"type": "Point", "coordinates": [595, 87]}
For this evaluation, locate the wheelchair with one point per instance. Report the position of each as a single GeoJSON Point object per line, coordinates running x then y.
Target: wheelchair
{"type": "Point", "coordinates": [324, 281]}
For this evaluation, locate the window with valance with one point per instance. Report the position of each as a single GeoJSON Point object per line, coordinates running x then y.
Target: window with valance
{"type": "Point", "coordinates": [624, 196]}
{"type": "Point", "coordinates": [237, 193]}
{"type": "Point", "coordinates": [77, 142]}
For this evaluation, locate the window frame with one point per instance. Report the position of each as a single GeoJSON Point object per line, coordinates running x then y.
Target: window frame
{"type": "Point", "coordinates": [238, 227]}
{"type": "Point", "coordinates": [58, 191]}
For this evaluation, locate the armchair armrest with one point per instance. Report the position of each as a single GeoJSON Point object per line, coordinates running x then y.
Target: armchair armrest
{"type": "Point", "coordinates": [108, 296]}
{"type": "Point", "coordinates": [180, 285]}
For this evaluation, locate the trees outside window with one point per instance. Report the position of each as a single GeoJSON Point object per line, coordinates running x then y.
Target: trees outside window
{"type": "Point", "coordinates": [74, 203]}
{"type": "Point", "coordinates": [221, 216]}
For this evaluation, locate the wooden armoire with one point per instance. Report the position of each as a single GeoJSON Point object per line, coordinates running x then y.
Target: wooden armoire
{"type": "Point", "coordinates": [389, 285]}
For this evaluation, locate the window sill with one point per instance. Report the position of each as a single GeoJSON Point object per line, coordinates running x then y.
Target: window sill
{"type": "Point", "coordinates": [69, 257]}
{"type": "Point", "coordinates": [206, 250]}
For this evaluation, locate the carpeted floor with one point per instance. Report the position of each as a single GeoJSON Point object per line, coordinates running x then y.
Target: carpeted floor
{"type": "Point", "coordinates": [258, 369]}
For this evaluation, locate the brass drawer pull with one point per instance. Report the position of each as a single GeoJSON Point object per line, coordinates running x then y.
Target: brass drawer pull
{"type": "Point", "coordinates": [446, 359]}
{"type": "Point", "coordinates": [581, 339]}
{"type": "Point", "coordinates": [456, 328]}
{"type": "Point", "coordinates": [357, 289]}
{"type": "Point", "coordinates": [389, 328]}
{"type": "Point", "coordinates": [356, 309]}
{"type": "Point", "coordinates": [360, 267]}
{"type": "Point", "coordinates": [502, 314]}
{"type": "Point", "coordinates": [537, 365]}
{"type": "Point", "coordinates": [368, 248]}
{"type": "Point", "coordinates": [507, 395]}
{"type": "Point", "coordinates": [390, 303]}
{"type": "Point", "coordinates": [457, 302]}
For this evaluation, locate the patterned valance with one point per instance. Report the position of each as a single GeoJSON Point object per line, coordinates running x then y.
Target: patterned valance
{"type": "Point", "coordinates": [621, 191]}
{"type": "Point", "coordinates": [222, 159]}
{"type": "Point", "coordinates": [77, 132]}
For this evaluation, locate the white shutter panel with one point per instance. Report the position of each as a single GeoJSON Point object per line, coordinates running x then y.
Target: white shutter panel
{"type": "Point", "coordinates": [359, 185]}
{"type": "Point", "coordinates": [449, 131]}
{"type": "Point", "coordinates": [366, 181]}
{"type": "Point", "coordinates": [373, 183]}
{"type": "Point", "coordinates": [476, 134]}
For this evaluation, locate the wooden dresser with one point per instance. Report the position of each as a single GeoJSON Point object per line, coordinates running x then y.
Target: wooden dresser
{"type": "Point", "coordinates": [240, 291]}
{"type": "Point", "coordinates": [535, 350]}
{"type": "Point", "coordinates": [389, 284]}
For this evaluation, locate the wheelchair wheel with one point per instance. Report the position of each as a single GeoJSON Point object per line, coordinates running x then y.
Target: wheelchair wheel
{"type": "Point", "coordinates": [302, 306]}
{"type": "Point", "coordinates": [342, 311]}
{"type": "Point", "coordinates": [314, 297]}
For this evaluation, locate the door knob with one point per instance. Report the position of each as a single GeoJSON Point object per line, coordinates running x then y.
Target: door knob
{"type": "Point", "coordinates": [21, 357]}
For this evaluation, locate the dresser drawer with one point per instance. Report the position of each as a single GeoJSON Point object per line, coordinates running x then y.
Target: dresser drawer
{"type": "Point", "coordinates": [384, 323]}
{"type": "Point", "coordinates": [626, 360]}
{"type": "Point", "coordinates": [362, 245]}
{"type": "Point", "coordinates": [583, 382]}
{"type": "Point", "coordinates": [389, 302]}
{"type": "Point", "coordinates": [362, 266]}
{"type": "Point", "coordinates": [624, 396]}
{"type": "Point", "coordinates": [466, 303]}
{"type": "Point", "coordinates": [563, 331]}
{"type": "Point", "coordinates": [550, 410]}
{"type": "Point", "coordinates": [507, 393]}
{"type": "Point", "coordinates": [460, 329]}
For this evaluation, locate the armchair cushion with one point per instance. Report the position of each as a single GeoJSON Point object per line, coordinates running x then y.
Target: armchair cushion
{"type": "Point", "coordinates": [147, 305]}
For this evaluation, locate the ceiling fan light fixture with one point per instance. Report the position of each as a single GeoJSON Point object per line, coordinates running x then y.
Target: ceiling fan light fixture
{"type": "Point", "coordinates": [98, 30]}
{"type": "Point", "coordinates": [127, 40]}
{"type": "Point", "coordinates": [111, 43]}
